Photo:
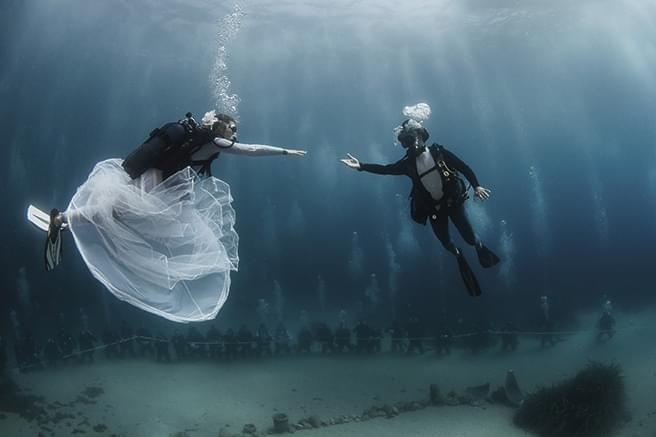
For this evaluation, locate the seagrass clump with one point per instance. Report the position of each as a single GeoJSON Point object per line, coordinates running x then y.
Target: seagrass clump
{"type": "Point", "coordinates": [591, 404]}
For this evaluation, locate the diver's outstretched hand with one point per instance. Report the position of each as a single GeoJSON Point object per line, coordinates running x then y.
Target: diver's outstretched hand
{"type": "Point", "coordinates": [295, 152]}
{"type": "Point", "coordinates": [482, 192]}
{"type": "Point", "coordinates": [351, 161]}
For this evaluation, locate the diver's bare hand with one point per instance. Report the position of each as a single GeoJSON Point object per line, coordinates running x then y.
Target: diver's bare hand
{"type": "Point", "coordinates": [482, 192]}
{"type": "Point", "coordinates": [351, 161]}
{"type": "Point", "coordinates": [295, 152]}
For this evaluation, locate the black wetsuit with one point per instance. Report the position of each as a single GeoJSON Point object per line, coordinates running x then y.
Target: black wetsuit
{"type": "Point", "coordinates": [342, 338]}
{"type": "Point", "coordinates": [282, 341]}
{"type": "Point", "coordinates": [144, 342]}
{"type": "Point", "coordinates": [51, 352]}
{"type": "Point", "coordinates": [3, 356]}
{"type": "Point", "coordinates": [110, 339]}
{"type": "Point", "coordinates": [66, 345]}
{"type": "Point", "coordinates": [606, 326]}
{"type": "Point", "coordinates": [180, 345]}
{"type": "Point", "coordinates": [214, 336]}
{"type": "Point", "coordinates": [263, 341]}
{"type": "Point", "coordinates": [162, 348]}
{"type": "Point", "coordinates": [423, 206]}
{"type": "Point", "coordinates": [304, 341]}
{"type": "Point", "coordinates": [127, 341]}
{"type": "Point", "coordinates": [86, 341]}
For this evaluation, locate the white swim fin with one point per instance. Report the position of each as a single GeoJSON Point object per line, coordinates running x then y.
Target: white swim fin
{"type": "Point", "coordinates": [38, 218]}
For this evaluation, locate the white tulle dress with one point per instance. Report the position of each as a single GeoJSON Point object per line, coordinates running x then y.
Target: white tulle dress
{"type": "Point", "coordinates": [167, 247]}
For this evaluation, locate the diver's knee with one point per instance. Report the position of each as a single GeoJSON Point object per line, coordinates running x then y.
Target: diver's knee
{"type": "Point", "coordinates": [451, 248]}
{"type": "Point", "coordinates": [473, 241]}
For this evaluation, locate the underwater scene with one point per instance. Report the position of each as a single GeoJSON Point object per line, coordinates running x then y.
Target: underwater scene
{"type": "Point", "coordinates": [347, 218]}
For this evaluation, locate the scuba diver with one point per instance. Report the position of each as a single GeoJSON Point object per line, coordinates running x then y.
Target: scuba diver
{"type": "Point", "coordinates": [86, 341]}
{"type": "Point", "coordinates": [126, 345]}
{"type": "Point", "coordinates": [438, 193]}
{"type": "Point", "coordinates": [547, 326]}
{"type": "Point", "coordinates": [144, 341]}
{"type": "Point", "coordinates": [246, 341]}
{"type": "Point", "coordinates": [305, 339]}
{"type": "Point", "coordinates": [66, 345]}
{"type": "Point", "coordinates": [162, 348]}
{"type": "Point", "coordinates": [282, 339]}
{"type": "Point", "coordinates": [3, 356]}
{"type": "Point", "coordinates": [51, 353]}
{"type": "Point", "coordinates": [263, 341]}
{"type": "Point", "coordinates": [343, 338]}
{"type": "Point", "coordinates": [230, 345]}
{"type": "Point", "coordinates": [213, 338]}
{"type": "Point", "coordinates": [195, 343]}
{"type": "Point", "coordinates": [509, 339]}
{"type": "Point", "coordinates": [157, 229]}
{"type": "Point", "coordinates": [110, 340]}
{"type": "Point", "coordinates": [325, 338]}
{"type": "Point", "coordinates": [179, 345]}
{"type": "Point", "coordinates": [443, 339]}
{"type": "Point", "coordinates": [415, 332]}
{"type": "Point", "coordinates": [397, 334]}
{"type": "Point", "coordinates": [362, 333]}
{"type": "Point", "coordinates": [606, 323]}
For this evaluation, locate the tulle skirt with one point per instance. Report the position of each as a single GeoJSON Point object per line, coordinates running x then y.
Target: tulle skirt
{"type": "Point", "coordinates": [167, 248]}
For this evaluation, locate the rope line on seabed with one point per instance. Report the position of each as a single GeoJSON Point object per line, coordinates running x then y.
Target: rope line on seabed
{"type": "Point", "coordinates": [74, 354]}
{"type": "Point", "coordinates": [219, 343]}
{"type": "Point", "coordinates": [469, 334]}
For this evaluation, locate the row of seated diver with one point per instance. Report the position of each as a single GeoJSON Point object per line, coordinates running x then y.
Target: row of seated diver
{"type": "Point", "coordinates": [401, 338]}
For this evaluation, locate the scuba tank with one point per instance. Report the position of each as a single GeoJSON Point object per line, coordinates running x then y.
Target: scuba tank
{"type": "Point", "coordinates": [167, 148]}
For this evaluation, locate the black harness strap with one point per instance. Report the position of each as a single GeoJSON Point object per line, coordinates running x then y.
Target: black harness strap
{"type": "Point", "coordinates": [205, 164]}
{"type": "Point", "coordinates": [432, 169]}
{"type": "Point", "coordinates": [227, 147]}
{"type": "Point", "coordinates": [449, 177]}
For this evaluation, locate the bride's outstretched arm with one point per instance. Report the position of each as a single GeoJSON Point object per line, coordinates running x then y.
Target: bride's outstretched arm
{"type": "Point", "coordinates": [227, 146]}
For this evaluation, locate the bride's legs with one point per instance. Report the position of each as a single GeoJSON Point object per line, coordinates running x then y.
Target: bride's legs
{"type": "Point", "coordinates": [64, 218]}
{"type": "Point", "coordinates": [59, 220]}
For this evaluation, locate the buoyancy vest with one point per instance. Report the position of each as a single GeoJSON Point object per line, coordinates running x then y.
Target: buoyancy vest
{"type": "Point", "coordinates": [169, 148]}
{"type": "Point", "coordinates": [455, 191]}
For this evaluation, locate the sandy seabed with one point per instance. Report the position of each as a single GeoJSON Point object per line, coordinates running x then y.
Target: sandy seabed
{"type": "Point", "coordinates": [144, 398]}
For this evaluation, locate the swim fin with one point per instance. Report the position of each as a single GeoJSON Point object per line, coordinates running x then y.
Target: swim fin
{"type": "Point", "coordinates": [486, 257]}
{"type": "Point", "coordinates": [468, 277]}
{"type": "Point", "coordinates": [53, 247]}
{"type": "Point", "coordinates": [38, 218]}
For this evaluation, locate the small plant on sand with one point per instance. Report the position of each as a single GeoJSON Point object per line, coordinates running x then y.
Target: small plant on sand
{"type": "Point", "coordinates": [592, 404]}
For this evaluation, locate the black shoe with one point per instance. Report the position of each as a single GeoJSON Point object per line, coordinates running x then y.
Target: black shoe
{"type": "Point", "coordinates": [486, 257]}
{"type": "Point", "coordinates": [468, 277]}
{"type": "Point", "coordinates": [53, 249]}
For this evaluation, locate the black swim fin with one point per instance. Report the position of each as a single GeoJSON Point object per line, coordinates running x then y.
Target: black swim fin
{"type": "Point", "coordinates": [486, 257]}
{"type": "Point", "coordinates": [468, 276]}
{"type": "Point", "coordinates": [53, 249]}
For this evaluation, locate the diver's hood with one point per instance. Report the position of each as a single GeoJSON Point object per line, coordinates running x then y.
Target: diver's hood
{"type": "Point", "coordinates": [410, 131]}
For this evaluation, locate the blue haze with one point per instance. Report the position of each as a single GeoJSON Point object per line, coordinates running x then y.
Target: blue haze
{"type": "Point", "coordinates": [551, 103]}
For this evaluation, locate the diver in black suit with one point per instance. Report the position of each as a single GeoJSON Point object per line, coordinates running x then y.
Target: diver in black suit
{"type": "Point", "coordinates": [3, 356]}
{"type": "Point", "coordinates": [438, 193]}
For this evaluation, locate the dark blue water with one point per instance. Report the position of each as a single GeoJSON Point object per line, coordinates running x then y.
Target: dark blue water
{"type": "Point", "coordinates": [552, 105]}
